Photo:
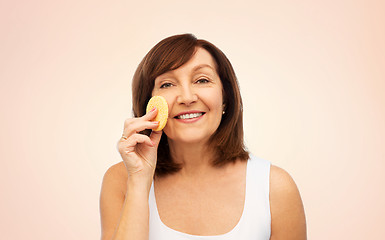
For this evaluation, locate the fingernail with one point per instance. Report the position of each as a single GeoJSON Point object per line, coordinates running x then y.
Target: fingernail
{"type": "Point", "coordinates": [156, 122]}
{"type": "Point", "coordinates": [153, 109]}
{"type": "Point", "coordinates": [153, 143]}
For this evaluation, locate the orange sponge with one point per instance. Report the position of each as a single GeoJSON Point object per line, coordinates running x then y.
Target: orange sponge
{"type": "Point", "coordinates": [160, 103]}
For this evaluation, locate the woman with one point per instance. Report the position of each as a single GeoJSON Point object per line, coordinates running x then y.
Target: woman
{"type": "Point", "coordinates": [194, 179]}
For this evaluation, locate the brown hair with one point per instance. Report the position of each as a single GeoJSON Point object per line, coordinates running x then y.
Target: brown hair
{"type": "Point", "coordinates": [169, 54]}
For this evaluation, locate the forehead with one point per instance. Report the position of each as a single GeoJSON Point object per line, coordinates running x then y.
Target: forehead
{"type": "Point", "coordinates": [201, 59]}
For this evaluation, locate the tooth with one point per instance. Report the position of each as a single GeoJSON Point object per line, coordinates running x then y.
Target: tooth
{"type": "Point", "coordinates": [189, 116]}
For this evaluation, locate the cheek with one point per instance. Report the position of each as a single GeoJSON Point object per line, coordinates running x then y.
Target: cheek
{"type": "Point", "coordinates": [170, 102]}
{"type": "Point", "coordinates": [214, 100]}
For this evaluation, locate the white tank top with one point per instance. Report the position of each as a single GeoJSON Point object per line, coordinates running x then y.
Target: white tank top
{"type": "Point", "coordinates": [254, 223]}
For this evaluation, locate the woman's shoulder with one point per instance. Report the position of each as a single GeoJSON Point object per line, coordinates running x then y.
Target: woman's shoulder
{"type": "Point", "coordinates": [280, 179]}
{"type": "Point", "coordinates": [117, 170]}
{"type": "Point", "coordinates": [282, 187]}
{"type": "Point", "coordinates": [287, 212]}
{"type": "Point", "coordinates": [116, 176]}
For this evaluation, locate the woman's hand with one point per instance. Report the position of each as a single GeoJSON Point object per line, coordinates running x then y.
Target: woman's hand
{"type": "Point", "coordinates": [138, 151]}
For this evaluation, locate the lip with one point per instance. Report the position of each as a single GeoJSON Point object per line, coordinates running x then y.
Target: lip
{"type": "Point", "coordinates": [189, 120]}
{"type": "Point", "coordinates": [189, 112]}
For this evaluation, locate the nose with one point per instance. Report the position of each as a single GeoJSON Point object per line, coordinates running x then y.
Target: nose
{"type": "Point", "coordinates": [187, 95]}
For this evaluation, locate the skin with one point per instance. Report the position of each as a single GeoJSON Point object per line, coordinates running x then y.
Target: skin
{"type": "Point", "coordinates": [212, 198]}
{"type": "Point", "coordinates": [195, 86]}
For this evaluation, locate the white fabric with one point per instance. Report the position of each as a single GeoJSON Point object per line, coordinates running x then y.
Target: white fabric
{"type": "Point", "coordinates": [255, 222]}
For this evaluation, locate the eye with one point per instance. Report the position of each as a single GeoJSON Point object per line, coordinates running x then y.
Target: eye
{"type": "Point", "coordinates": [166, 85]}
{"type": "Point", "coordinates": [202, 80]}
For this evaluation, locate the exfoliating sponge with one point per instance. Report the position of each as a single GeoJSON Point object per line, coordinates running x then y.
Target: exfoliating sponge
{"type": "Point", "coordinates": [160, 103]}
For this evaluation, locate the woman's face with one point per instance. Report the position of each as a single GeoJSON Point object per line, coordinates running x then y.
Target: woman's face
{"type": "Point", "coordinates": [194, 96]}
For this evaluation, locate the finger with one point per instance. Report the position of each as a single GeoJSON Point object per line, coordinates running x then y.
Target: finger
{"type": "Point", "coordinates": [134, 140]}
{"type": "Point", "coordinates": [150, 115]}
{"type": "Point", "coordinates": [135, 125]}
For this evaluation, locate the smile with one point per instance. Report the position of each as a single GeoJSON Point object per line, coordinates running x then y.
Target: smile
{"type": "Point", "coordinates": [189, 115]}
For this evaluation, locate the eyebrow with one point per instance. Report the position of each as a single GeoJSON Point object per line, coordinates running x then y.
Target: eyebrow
{"type": "Point", "coordinates": [196, 68]}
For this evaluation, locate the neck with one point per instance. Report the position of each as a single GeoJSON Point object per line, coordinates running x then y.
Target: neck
{"type": "Point", "coordinates": [195, 158]}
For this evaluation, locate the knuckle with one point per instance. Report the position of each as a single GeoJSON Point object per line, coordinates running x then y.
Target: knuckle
{"type": "Point", "coordinates": [140, 136]}
{"type": "Point", "coordinates": [128, 122]}
{"type": "Point", "coordinates": [135, 137]}
{"type": "Point", "coordinates": [120, 147]}
{"type": "Point", "coordinates": [144, 116]}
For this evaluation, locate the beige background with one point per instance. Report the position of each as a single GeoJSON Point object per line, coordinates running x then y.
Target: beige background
{"type": "Point", "coordinates": [312, 79]}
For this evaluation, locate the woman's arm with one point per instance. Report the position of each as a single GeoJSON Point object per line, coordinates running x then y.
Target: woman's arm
{"type": "Point", "coordinates": [287, 212]}
{"type": "Point", "coordinates": [123, 206]}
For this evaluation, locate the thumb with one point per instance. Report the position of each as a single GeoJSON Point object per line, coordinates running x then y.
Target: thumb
{"type": "Point", "coordinates": [155, 137]}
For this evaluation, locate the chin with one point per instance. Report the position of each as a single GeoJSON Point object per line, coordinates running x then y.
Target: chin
{"type": "Point", "coordinates": [192, 137]}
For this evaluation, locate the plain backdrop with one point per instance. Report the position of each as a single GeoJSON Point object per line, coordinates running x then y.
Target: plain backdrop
{"type": "Point", "coordinates": [312, 78]}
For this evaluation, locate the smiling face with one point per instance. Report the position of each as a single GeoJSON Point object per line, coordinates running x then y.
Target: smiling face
{"type": "Point", "coordinates": [202, 99]}
{"type": "Point", "coordinates": [194, 96]}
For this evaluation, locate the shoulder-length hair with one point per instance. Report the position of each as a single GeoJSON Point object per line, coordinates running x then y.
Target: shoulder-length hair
{"type": "Point", "coordinates": [169, 54]}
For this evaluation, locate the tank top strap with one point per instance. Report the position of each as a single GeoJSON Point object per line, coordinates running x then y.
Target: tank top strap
{"type": "Point", "coordinates": [156, 227]}
{"type": "Point", "coordinates": [257, 203]}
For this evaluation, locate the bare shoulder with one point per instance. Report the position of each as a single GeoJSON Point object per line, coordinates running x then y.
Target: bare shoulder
{"type": "Point", "coordinates": [287, 212]}
{"type": "Point", "coordinates": [112, 197]}
{"type": "Point", "coordinates": [116, 173]}
{"type": "Point", "coordinates": [117, 168]}
{"type": "Point", "coordinates": [280, 180]}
